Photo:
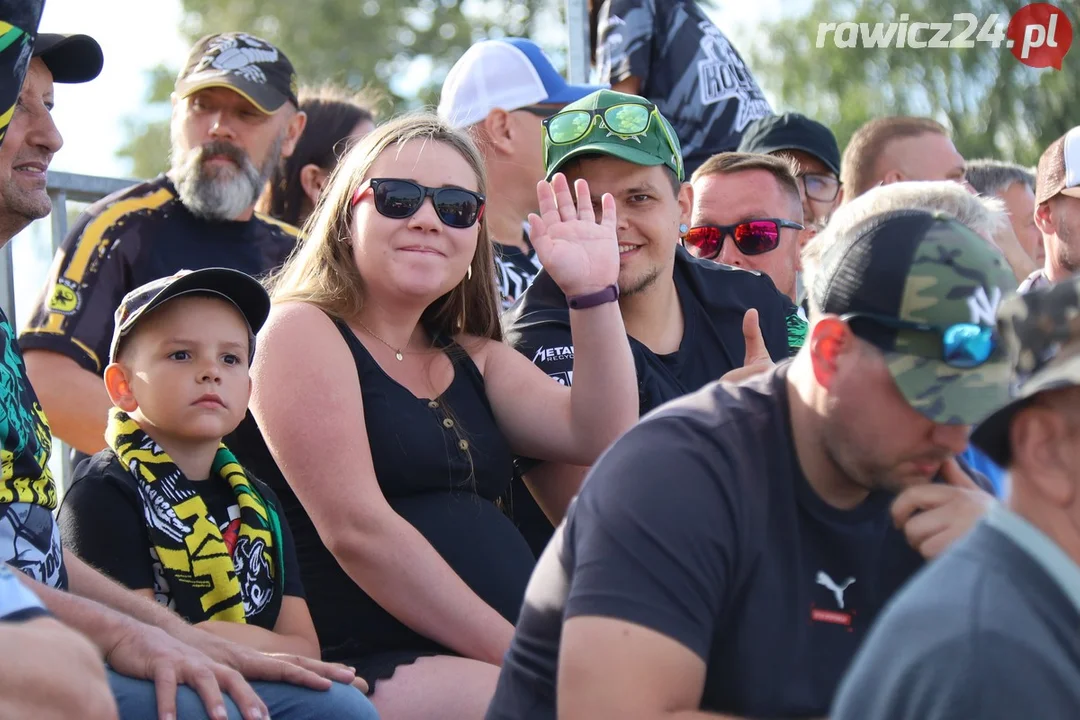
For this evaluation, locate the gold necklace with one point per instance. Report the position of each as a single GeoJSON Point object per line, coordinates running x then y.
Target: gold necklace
{"type": "Point", "coordinates": [397, 351]}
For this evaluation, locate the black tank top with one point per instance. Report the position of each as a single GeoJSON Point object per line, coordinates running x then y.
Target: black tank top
{"type": "Point", "coordinates": [441, 463]}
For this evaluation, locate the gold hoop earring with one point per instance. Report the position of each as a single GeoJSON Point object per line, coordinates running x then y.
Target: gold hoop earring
{"type": "Point", "coordinates": [468, 274]}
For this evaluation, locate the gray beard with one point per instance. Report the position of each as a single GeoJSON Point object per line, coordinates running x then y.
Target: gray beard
{"type": "Point", "coordinates": [223, 195]}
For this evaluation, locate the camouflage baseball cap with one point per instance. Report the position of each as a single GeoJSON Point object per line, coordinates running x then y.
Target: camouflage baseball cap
{"type": "Point", "coordinates": [597, 118]}
{"type": "Point", "coordinates": [1041, 333]}
{"type": "Point", "coordinates": [909, 268]}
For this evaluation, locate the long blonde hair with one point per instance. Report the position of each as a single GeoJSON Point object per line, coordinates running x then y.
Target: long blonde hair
{"type": "Point", "coordinates": [321, 269]}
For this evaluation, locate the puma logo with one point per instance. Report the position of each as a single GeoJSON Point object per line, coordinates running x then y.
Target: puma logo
{"type": "Point", "coordinates": [837, 590]}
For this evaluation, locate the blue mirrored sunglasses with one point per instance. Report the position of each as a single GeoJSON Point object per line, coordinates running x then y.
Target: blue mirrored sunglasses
{"type": "Point", "coordinates": [963, 345]}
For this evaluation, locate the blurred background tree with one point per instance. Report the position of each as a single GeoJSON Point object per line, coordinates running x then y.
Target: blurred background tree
{"type": "Point", "coordinates": [995, 105]}
{"type": "Point", "coordinates": [401, 50]}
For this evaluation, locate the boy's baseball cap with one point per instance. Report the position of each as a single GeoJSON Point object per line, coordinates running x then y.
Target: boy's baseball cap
{"type": "Point", "coordinates": [1042, 337]}
{"type": "Point", "coordinates": [243, 63]}
{"type": "Point", "coordinates": [791, 131]}
{"type": "Point", "coordinates": [240, 289]}
{"type": "Point", "coordinates": [923, 267]}
{"type": "Point", "coordinates": [70, 58]}
{"type": "Point", "coordinates": [658, 145]}
{"type": "Point", "coordinates": [508, 74]}
{"type": "Point", "coordinates": [1059, 168]}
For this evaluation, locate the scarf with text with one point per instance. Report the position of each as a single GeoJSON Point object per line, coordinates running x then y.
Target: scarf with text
{"type": "Point", "coordinates": [210, 576]}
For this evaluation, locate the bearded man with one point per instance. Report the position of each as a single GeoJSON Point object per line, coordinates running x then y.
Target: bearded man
{"type": "Point", "coordinates": [235, 115]}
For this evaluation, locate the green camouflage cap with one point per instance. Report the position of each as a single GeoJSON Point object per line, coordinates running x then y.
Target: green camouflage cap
{"type": "Point", "coordinates": [658, 145]}
{"type": "Point", "coordinates": [1041, 333]}
{"type": "Point", "coordinates": [920, 267]}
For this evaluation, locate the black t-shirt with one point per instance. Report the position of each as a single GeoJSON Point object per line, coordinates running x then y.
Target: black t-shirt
{"type": "Point", "coordinates": [687, 67]}
{"type": "Point", "coordinates": [102, 520]}
{"type": "Point", "coordinates": [133, 237]}
{"type": "Point", "coordinates": [713, 298]}
{"type": "Point", "coordinates": [515, 270]}
{"type": "Point", "coordinates": [699, 524]}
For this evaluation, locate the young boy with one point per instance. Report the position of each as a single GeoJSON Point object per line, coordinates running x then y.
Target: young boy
{"type": "Point", "coordinates": [166, 510]}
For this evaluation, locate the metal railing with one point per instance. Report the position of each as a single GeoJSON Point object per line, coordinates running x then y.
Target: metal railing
{"type": "Point", "coordinates": [62, 188]}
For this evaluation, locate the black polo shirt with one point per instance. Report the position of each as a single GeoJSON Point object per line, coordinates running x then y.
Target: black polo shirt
{"type": "Point", "coordinates": [128, 239]}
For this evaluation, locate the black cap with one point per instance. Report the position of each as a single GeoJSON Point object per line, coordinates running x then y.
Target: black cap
{"type": "Point", "coordinates": [238, 288]}
{"type": "Point", "coordinates": [70, 58]}
{"type": "Point", "coordinates": [791, 131]}
{"type": "Point", "coordinates": [243, 63]}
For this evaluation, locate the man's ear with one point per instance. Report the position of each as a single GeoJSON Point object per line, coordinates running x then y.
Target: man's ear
{"type": "Point", "coordinates": [1044, 219]}
{"type": "Point", "coordinates": [1039, 437]}
{"type": "Point", "coordinates": [829, 339]}
{"type": "Point", "coordinates": [686, 203]}
{"type": "Point", "coordinates": [293, 130]}
{"type": "Point", "coordinates": [892, 176]}
{"type": "Point", "coordinates": [312, 180]}
{"type": "Point", "coordinates": [118, 385]}
{"type": "Point", "coordinates": [497, 126]}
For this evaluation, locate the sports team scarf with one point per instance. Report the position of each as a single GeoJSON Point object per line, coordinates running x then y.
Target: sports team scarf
{"type": "Point", "coordinates": [210, 577]}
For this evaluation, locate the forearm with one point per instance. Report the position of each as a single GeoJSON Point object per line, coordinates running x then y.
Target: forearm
{"type": "Point", "coordinates": [94, 620]}
{"type": "Point", "coordinates": [89, 583]}
{"type": "Point", "coordinates": [74, 399]}
{"type": "Point", "coordinates": [404, 574]}
{"type": "Point", "coordinates": [261, 639]}
{"type": "Point", "coordinates": [603, 397]}
{"type": "Point", "coordinates": [553, 486]}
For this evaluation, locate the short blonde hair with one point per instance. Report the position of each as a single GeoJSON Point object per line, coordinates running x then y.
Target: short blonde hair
{"type": "Point", "coordinates": [859, 167]}
{"type": "Point", "coordinates": [321, 269]}
{"type": "Point", "coordinates": [985, 215]}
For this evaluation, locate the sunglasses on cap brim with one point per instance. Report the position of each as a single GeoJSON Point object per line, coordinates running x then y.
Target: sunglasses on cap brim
{"type": "Point", "coordinates": [751, 237]}
{"type": "Point", "coordinates": [398, 199]}
{"type": "Point", "coordinates": [963, 345]}
{"type": "Point", "coordinates": [624, 120]}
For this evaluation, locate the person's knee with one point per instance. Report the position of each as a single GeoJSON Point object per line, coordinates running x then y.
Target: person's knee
{"type": "Point", "coordinates": [345, 701]}
{"type": "Point", "coordinates": [289, 702]}
{"type": "Point", "coordinates": [136, 699]}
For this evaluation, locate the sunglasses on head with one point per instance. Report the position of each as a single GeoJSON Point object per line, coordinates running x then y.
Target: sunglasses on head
{"type": "Point", "coordinates": [752, 237]}
{"type": "Point", "coordinates": [963, 345]}
{"type": "Point", "coordinates": [399, 199]}
{"type": "Point", "coordinates": [625, 120]}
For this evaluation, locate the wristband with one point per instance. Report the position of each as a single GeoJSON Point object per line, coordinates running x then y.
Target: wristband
{"type": "Point", "coordinates": [600, 297]}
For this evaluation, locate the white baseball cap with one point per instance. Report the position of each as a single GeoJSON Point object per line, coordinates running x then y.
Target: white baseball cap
{"type": "Point", "coordinates": [1059, 168]}
{"type": "Point", "coordinates": [509, 74]}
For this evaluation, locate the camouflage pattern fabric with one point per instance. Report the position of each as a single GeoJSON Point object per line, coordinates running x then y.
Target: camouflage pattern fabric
{"type": "Point", "coordinates": [955, 277]}
{"type": "Point", "coordinates": [1041, 332]}
{"type": "Point", "coordinates": [658, 145]}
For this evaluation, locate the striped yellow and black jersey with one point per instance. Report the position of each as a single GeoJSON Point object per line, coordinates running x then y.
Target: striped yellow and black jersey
{"type": "Point", "coordinates": [140, 234]}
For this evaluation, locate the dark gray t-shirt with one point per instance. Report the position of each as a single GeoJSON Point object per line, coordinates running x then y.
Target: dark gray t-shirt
{"type": "Point", "coordinates": [687, 67]}
{"type": "Point", "coordinates": [699, 524]}
{"type": "Point", "coordinates": [983, 632]}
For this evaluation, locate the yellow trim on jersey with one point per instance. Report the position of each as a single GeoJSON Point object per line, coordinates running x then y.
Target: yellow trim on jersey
{"type": "Point", "coordinates": [93, 240]}
{"type": "Point", "coordinates": [291, 229]}
{"type": "Point", "coordinates": [74, 341]}
{"type": "Point", "coordinates": [4, 27]}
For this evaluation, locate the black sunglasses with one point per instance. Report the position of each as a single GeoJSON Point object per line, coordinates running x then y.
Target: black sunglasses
{"type": "Point", "coordinates": [752, 237]}
{"type": "Point", "coordinates": [820, 187]}
{"type": "Point", "coordinates": [399, 199]}
{"type": "Point", "coordinates": [963, 345]}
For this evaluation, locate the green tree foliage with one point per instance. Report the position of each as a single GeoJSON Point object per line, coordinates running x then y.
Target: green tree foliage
{"type": "Point", "coordinates": [356, 43]}
{"type": "Point", "coordinates": [995, 105]}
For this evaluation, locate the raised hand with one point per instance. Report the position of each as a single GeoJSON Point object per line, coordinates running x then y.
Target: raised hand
{"type": "Point", "coordinates": [580, 254]}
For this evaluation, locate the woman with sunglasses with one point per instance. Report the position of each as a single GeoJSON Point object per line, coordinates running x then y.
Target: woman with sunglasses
{"type": "Point", "coordinates": [393, 410]}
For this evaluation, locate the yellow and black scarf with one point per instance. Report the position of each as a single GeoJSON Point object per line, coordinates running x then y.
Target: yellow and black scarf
{"type": "Point", "coordinates": [208, 580]}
